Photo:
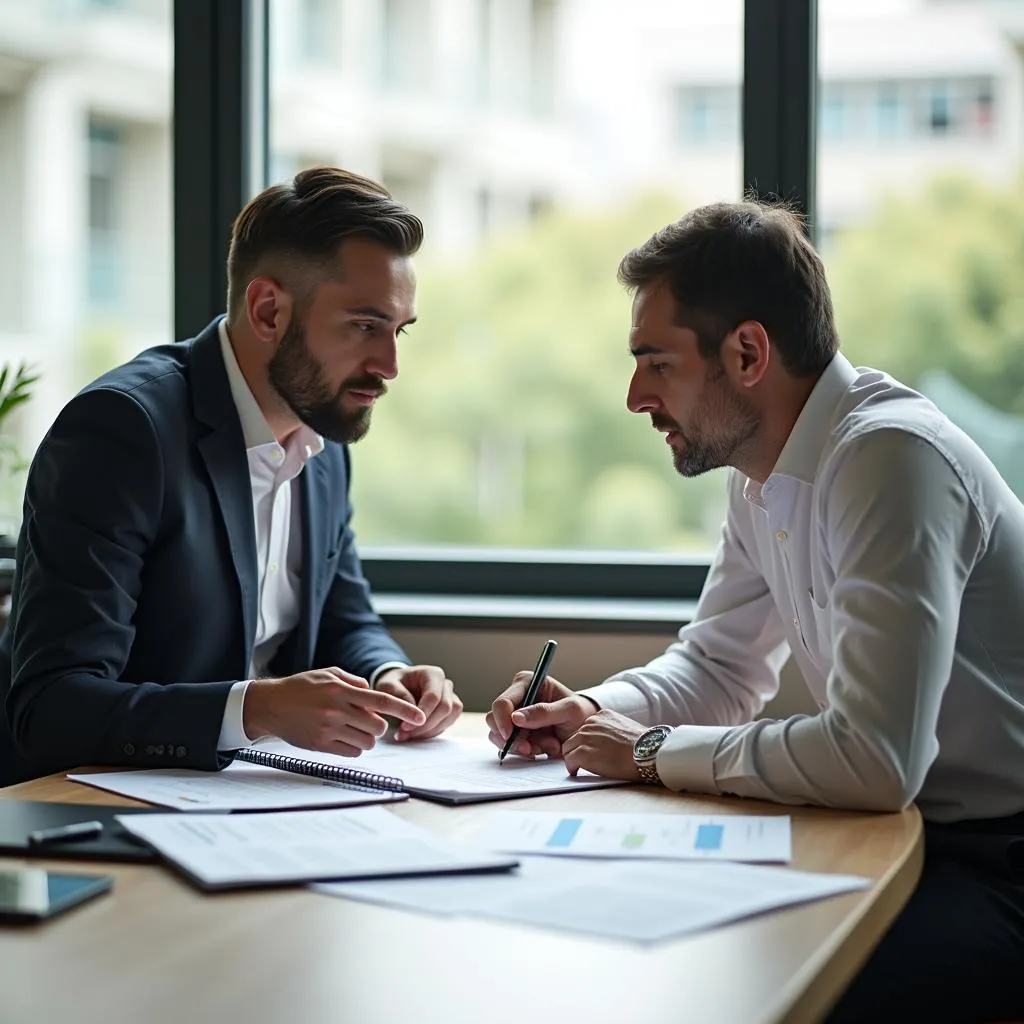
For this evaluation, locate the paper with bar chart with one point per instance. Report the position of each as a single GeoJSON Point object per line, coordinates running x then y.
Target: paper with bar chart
{"type": "Point", "coordinates": [649, 836]}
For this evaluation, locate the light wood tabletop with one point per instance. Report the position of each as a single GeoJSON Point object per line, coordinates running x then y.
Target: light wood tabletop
{"type": "Point", "coordinates": [157, 951]}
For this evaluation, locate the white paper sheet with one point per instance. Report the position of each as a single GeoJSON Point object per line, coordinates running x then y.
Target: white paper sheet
{"type": "Point", "coordinates": [456, 770]}
{"type": "Point", "coordinates": [639, 901]}
{"type": "Point", "coordinates": [239, 787]}
{"type": "Point", "coordinates": [676, 836]}
{"type": "Point", "coordinates": [219, 850]}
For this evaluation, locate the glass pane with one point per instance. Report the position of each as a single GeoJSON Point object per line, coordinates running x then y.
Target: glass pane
{"type": "Point", "coordinates": [921, 203]}
{"type": "Point", "coordinates": [539, 140]}
{"type": "Point", "coordinates": [85, 202]}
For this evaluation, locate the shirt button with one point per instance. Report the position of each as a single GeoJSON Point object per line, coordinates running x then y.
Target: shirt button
{"type": "Point", "coordinates": [180, 751]}
{"type": "Point", "coordinates": [277, 455]}
{"type": "Point", "coordinates": [822, 704]}
{"type": "Point", "coordinates": [273, 566]}
{"type": "Point", "coordinates": [781, 536]}
{"type": "Point", "coordinates": [796, 622]}
{"type": "Point", "coordinates": [129, 749]}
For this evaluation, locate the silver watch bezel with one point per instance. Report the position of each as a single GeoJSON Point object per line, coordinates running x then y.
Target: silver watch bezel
{"type": "Point", "coordinates": [646, 759]}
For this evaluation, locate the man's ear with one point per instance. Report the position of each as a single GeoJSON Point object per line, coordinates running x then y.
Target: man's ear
{"type": "Point", "coordinates": [268, 307]}
{"type": "Point", "coordinates": [746, 352]}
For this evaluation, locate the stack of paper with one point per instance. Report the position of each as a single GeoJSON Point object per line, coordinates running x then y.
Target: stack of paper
{"type": "Point", "coordinates": [219, 851]}
{"type": "Point", "coordinates": [240, 787]}
{"type": "Point", "coordinates": [641, 901]}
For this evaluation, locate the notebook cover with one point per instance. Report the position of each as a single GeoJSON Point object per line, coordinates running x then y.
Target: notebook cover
{"type": "Point", "coordinates": [19, 817]}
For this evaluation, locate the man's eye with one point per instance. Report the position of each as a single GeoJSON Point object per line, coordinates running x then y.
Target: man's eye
{"type": "Point", "coordinates": [659, 368]}
{"type": "Point", "coordinates": [366, 328]}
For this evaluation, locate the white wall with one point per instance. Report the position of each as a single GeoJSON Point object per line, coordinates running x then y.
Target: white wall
{"type": "Point", "coordinates": [482, 662]}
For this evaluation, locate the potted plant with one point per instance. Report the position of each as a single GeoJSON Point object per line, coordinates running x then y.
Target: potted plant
{"type": "Point", "coordinates": [16, 383]}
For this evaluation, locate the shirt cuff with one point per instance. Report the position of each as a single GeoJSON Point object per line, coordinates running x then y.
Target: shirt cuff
{"type": "Point", "coordinates": [381, 669]}
{"type": "Point", "coordinates": [232, 732]}
{"type": "Point", "coordinates": [616, 695]}
{"type": "Point", "coordinates": [686, 759]}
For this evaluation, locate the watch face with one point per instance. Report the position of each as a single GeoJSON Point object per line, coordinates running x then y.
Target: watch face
{"type": "Point", "coordinates": [649, 743]}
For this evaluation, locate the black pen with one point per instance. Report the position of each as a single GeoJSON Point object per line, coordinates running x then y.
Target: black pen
{"type": "Point", "coordinates": [65, 833]}
{"type": "Point", "coordinates": [539, 673]}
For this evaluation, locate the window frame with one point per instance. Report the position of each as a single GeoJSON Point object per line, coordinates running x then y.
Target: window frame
{"type": "Point", "coordinates": [220, 130]}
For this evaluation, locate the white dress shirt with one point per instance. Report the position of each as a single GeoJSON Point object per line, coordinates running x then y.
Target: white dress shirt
{"type": "Point", "coordinates": [273, 471]}
{"type": "Point", "coordinates": [885, 552]}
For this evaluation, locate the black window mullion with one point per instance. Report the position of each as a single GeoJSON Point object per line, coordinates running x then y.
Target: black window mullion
{"type": "Point", "coordinates": [220, 122]}
{"type": "Point", "coordinates": [779, 99]}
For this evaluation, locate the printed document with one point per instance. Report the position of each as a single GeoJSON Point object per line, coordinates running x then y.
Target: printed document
{"type": "Point", "coordinates": [455, 771]}
{"type": "Point", "coordinates": [638, 901]}
{"type": "Point", "coordinates": [676, 836]}
{"type": "Point", "coordinates": [224, 850]}
{"type": "Point", "coordinates": [239, 787]}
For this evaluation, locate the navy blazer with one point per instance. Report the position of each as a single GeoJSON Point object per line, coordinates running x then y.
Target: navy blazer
{"type": "Point", "coordinates": [135, 595]}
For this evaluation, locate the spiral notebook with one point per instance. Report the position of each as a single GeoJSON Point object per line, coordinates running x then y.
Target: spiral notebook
{"type": "Point", "coordinates": [445, 770]}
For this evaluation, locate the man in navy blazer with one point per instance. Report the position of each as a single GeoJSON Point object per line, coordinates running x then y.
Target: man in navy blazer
{"type": "Point", "coordinates": [187, 579]}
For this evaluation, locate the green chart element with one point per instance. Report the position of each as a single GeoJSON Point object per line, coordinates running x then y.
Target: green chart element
{"type": "Point", "coordinates": [633, 840]}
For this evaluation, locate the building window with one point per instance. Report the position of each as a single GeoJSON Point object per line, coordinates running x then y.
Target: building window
{"type": "Point", "coordinates": [507, 420]}
{"type": "Point", "coordinates": [316, 21]}
{"type": "Point", "coordinates": [940, 118]}
{"type": "Point", "coordinates": [889, 112]}
{"type": "Point", "coordinates": [104, 270]}
{"type": "Point", "coordinates": [835, 116]}
{"type": "Point", "coordinates": [405, 42]}
{"type": "Point", "coordinates": [706, 116]}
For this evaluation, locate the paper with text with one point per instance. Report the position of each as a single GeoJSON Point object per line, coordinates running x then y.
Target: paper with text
{"type": "Point", "coordinates": [222, 850]}
{"type": "Point", "coordinates": [738, 837]}
{"type": "Point", "coordinates": [638, 901]}
{"type": "Point", "coordinates": [239, 787]}
{"type": "Point", "coordinates": [456, 770]}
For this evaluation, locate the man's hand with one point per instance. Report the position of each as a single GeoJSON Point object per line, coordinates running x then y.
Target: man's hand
{"type": "Point", "coordinates": [544, 725]}
{"type": "Point", "coordinates": [604, 745]}
{"type": "Point", "coordinates": [426, 687]}
{"type": "Point", "coordinates": [325, 709]}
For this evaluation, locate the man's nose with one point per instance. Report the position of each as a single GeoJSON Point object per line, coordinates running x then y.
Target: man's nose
{"type": "Point", "coordinates": [636, 399]}
{"type": "Point", "coordinates": [384, 362]}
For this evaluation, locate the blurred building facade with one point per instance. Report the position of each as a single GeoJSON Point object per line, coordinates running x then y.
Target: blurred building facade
{"type": "Point", "coordinates": [481, 114]}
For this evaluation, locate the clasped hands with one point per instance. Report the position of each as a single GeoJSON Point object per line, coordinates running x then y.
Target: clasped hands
{"type": "Point", "coordinates": [563, 724]}
{"type": "Point", "coordinates": [336, 712]}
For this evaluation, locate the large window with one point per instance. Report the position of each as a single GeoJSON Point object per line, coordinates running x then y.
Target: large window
{"type": "Point", "coordinates": [85, 198]}
{"type": "Point", "coordinates": [921, 203]}
{"type": "Point", "coordinates": [538, 140]}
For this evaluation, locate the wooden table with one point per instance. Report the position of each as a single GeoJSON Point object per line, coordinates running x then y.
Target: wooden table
{"type": "Point", "coordinates": [156, 951]}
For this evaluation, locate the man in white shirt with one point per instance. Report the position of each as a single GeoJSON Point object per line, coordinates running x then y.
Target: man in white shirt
{"type": "Point", "coordinates": [187, 578]}
{"type": "Point", "coordinates": [873, 540]}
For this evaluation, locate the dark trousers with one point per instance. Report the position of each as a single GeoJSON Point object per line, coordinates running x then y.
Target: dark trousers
{"type": "Point", "coordinates": [956, 952]}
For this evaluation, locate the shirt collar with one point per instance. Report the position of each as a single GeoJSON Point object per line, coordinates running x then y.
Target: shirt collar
{"type": "Point", "coordinates": [802, 452]}
{"type": "Point", "coordinates": [255, 429]}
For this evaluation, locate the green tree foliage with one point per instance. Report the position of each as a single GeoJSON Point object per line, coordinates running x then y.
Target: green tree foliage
{"type": "Point", "coordinates": [935, 281]}
{"type": "Point", "coordinates": [508, 426]}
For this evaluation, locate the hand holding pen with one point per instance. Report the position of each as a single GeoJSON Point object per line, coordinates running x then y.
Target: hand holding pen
{"type": "Point", "coordinates": [542, 724]}
{"type": "Point", "coordinates": [540, 673]}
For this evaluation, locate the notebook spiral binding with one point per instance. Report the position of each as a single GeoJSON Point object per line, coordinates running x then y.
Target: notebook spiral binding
{"type": "Point", "coordinates": [315, 769]}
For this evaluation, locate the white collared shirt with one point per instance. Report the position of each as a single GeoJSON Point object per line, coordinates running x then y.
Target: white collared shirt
{"type": "Point", "coordinates": [885, 552]}
{"type": "Point", "coordinates": [273, 470]}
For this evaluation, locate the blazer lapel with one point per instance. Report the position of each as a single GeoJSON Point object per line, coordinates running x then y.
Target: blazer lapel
{"type": "Point", "coordinates": [315, 485]}
{"type": "Point", "coordinates": [223, 452]}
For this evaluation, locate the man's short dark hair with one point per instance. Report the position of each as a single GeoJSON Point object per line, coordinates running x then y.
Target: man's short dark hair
{"type": "Point", "coordinates": [729, 262]}
{"type": "Point", "coordinates": [299, 226]}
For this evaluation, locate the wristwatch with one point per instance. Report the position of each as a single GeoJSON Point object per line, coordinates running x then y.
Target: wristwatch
{"type": "Point", "coordinates": [645, 752]}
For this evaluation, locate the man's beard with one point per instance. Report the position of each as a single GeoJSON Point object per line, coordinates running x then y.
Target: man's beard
{"type": "Point", "coordinates": [712, 447]}
{"type": "Point", "coordinates": [298, 378]}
